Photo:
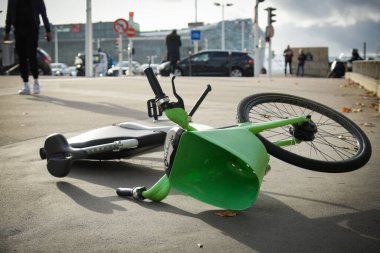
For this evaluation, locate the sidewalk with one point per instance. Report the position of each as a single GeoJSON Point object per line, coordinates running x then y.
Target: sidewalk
{"type": "Point", "coordinates": [297, 210]}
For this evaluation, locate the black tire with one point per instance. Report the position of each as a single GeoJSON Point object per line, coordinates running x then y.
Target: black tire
{"type": "Point", "coordinates": [331, 74]}
{"type": "Point", "coordinates": [339, 145]}
{"type": "Point", "coordinates": [236, 72]}
{"type": "Point", "coordinates": [178, 72]}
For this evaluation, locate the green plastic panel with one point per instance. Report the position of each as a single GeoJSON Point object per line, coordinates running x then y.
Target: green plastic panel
{"type": "Point", "coordinates": [222, 167]}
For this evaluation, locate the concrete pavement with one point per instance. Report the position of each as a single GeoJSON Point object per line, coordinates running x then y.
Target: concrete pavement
{"type": "Point", "coordinates": [297, 210]}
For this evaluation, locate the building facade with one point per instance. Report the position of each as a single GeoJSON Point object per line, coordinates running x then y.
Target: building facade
{"type": "Point", "coordinates": [70, 39]}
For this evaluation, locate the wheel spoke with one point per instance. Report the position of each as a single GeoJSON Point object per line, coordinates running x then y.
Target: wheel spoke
{"type": "Point", "coordinates": [331, 135]}
{"type": "Point", "coordinates": [339, 145]}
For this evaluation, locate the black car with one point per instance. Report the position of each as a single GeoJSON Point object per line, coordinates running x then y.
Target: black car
{"type": "Point", "coordinates": [212, 63]}
{"type": "Point", "coordinates": [43, 64]}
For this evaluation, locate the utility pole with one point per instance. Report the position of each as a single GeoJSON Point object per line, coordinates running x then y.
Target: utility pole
{"type": "Point", "coordinates": [55, 44]}
{"type": "Point", "coordinates": [269, 32]}
{"type": "Point", "coordinates": [130, 46]}
{"type": "Point", "coordinates": [256, 44]}
{"type": "Point", "coordinates": [120, 51]}
{"type": "Point", "coordinates": [242, 35]}
{"type": "Point", "coordinates": [88, 63]}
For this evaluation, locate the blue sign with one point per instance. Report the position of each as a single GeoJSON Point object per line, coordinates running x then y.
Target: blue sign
{"type": "Point", "coordinates": [195, 34]}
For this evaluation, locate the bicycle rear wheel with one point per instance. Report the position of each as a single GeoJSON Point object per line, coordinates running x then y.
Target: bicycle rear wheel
{"type": "Point", "coordinates": [339, 145]}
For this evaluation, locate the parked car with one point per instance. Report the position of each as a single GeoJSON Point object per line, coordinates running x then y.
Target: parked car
{"type": "Point", "coordinates": [152, 65]}
{"type": "Point", "coordinates": [114, 71]}
{"type": "Point", "coordinates": [59, 69]}
{"type": "Point", "coordinates": [43, 63]}
{"type": "Point", "coordinates": [213, 63]}
{"type": "Point", "coordinates": [72, 71]}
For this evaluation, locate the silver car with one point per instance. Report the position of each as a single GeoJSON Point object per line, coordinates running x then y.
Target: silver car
{"type": "Point", "coordinates": [59, 69]}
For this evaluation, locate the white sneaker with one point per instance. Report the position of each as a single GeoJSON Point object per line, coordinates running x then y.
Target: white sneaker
{"type": "Point", "coordinates": [24, 91]}
{"type": "Point", "coordinates": [36, 88]}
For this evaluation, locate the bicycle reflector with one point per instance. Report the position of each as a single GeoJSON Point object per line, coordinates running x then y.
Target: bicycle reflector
{"type": "Point", "coordinates": [221, 167]}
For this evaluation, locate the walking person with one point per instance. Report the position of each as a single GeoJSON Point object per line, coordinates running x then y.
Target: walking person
{"type": "Point", "coordinates": [288, 54]}
{"type": "Point", "coordinates": [173, 43]}
{"type": "Point", "coordinates": [301, 62]}
{"type": "Point", "coordinates": [24, 16]}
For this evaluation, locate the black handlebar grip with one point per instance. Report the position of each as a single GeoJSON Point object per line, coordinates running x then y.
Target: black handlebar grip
{"type": "Point", "coordinates": [135, 192]}
{"type": "Point", "coordinates": [126, 192]}
{"type": "Point", "coordinates": [154, 84]}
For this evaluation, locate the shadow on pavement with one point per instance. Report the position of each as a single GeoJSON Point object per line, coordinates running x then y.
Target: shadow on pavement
{"type": "Point", "coordinates": [99, 107]}
{"type": "Point", "coordinates": [91, 202]}
{"type": "Point", "coordinates": [269, 226]}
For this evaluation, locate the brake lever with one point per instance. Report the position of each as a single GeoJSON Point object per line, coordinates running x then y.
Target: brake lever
{"type": "Point", "coordinates": [180, 103]}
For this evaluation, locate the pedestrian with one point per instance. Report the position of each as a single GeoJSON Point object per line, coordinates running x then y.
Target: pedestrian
{"type": "Point", "coordinates": [355, 56]}
{"type": "Point", "coordinates": [24, 16]}
{"type": "Point", "coordinates": [288, 54]}
{"type": "Point", "coordinates": [173, 42]}
{"type": "Point", "coordinates": [301, 62]}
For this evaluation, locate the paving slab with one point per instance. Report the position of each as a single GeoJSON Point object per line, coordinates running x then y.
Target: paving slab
{"type": "Point", "coordinates": [297, 210]}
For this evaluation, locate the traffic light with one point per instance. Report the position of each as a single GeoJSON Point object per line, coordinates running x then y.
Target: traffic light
{"type": "Point", "coordinates": [270, 15]}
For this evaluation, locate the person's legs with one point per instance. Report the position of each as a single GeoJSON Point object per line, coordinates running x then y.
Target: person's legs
{"type": "Point", "coordinates": [32, 53]}
{"type": "Point", "coordinates": [298, 69]}
{"type": "Point", "coordinates": [290, 68]}
{"type": "Point", "coordinates": [174, 65]}
{"type": "Point", "coordinates": [22, 52]}
{"type": "Point", "coordinates": [32, 56]}
{"type": "Point", "coordinates": [286, 63]}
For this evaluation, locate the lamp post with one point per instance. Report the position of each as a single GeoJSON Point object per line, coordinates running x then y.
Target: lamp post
{"type": "Point", "coordinates": [58, 29]}
{"type": "Point", "coordinates": [222, 5]}
{"type": "Point", "coordinates": [88, 46]}
{"type": "Point", "coordinates": [196, 11]}
{"type": "Point", "coordinates": [55, 45]}
{"type": "Point", "coordinates": [256, 44]}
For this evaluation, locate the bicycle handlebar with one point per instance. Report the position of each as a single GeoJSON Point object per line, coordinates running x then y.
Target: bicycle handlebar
{"type": "Point", "coordinates": [154, 84]}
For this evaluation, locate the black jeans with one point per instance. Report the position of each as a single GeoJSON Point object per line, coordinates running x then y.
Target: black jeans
{"type": "Point", "coordinates": [300, 69]}
{"type": "Point", "coordinates": [26, 48]}
{"type": "Point", "coordinates": [173, 66]}
{"type": "Point", "coordinates": [290, 66]}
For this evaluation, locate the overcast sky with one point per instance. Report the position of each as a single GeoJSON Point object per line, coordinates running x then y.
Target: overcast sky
{"type": "Point", "coordinates": [339, 25]}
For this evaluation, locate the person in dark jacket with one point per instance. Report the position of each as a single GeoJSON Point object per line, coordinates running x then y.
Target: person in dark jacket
{"type": "Point", "coordinates": [288, 54]}
{"type": "Point", "coordinates": [24, 16]}
{"type": "Point", "coordinates": [173, 43]}
{"type": "Point", "coordinates": [355, 56]}
{"type": "Point", "coordinates": [301, 62]}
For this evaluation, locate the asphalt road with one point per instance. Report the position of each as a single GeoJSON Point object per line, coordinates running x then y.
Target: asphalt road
{"type": "Point", "coordinates": [297, 210]}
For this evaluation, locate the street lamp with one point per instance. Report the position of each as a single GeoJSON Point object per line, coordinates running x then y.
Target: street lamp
{"type": "Point", "coordinates": [88, 43]}
{"type": "Point", "coordinates": [256, 48]}
{"type": "Point", "coordinates": [222, 5]}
